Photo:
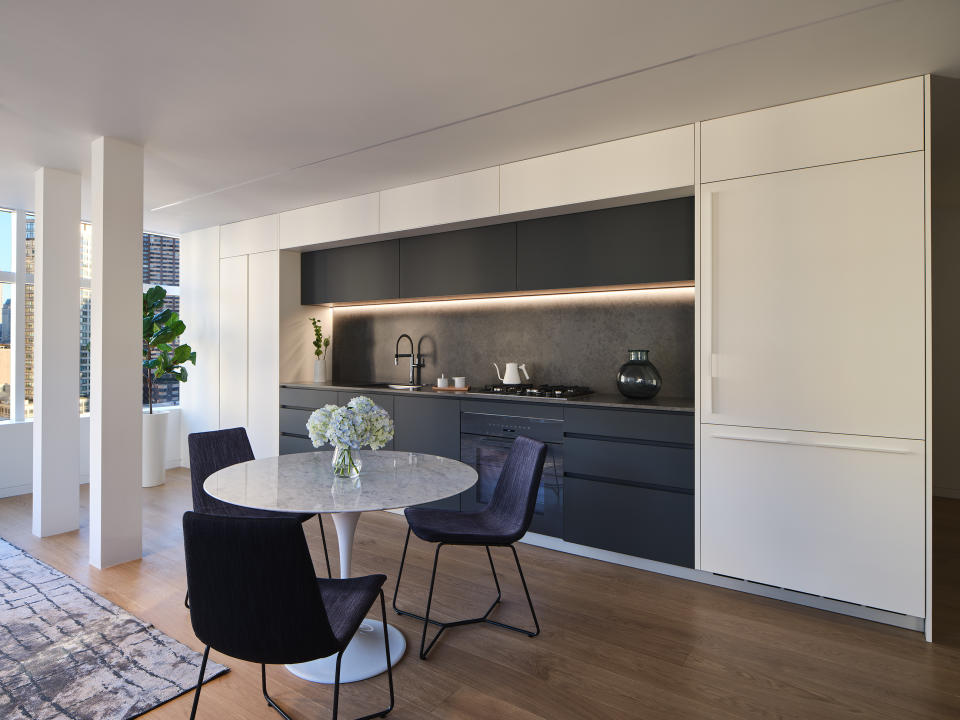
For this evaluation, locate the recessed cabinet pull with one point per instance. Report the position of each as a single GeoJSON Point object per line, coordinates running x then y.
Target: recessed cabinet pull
{"type": "Point", "coordinates": [834, 446]}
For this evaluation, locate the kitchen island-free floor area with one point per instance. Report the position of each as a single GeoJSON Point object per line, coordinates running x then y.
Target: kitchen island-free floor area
{"type": "Point", "coordinates": [616, 642]}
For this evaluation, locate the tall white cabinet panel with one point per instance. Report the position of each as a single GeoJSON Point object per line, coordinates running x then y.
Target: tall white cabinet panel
{"type": "Point", "coordinates": [641, 164]}
{"type": "Point", "coordinates": [812, 296]}
{"type": "Point", "coordinates": [233, 342]}
{"type": "Point", "coordinates": [350, 218]}
{"type": "Point", "coordinates": [263, 388]}
{"type": "Point", "coordinates": [832, 515]}
{"type": "Point", "coordinates": [874, 121]}
{"type": "Point", "coordinates": [436, 202]}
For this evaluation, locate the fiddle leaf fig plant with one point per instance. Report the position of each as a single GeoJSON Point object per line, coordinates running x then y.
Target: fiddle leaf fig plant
{"type": "Point", "coordinates": [161, 328]}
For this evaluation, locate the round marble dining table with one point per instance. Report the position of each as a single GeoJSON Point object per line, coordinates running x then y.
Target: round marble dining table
{"type": "Point", "coordinates": [305, 483]}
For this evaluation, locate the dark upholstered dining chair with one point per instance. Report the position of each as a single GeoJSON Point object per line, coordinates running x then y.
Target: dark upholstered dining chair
{"type": "Point", "coordinates": [215, 450]}
{"type": "Point", "coordinates": [254, 596]}
{"type": "Point", "coordinates": [501, 523]}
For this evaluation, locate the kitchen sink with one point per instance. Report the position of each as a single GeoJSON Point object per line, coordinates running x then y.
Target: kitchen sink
{"type": "Point", "coordinates": [391, 386]}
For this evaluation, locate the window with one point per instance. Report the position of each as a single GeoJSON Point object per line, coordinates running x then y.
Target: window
{"type": "Point", "coordinates": [7, 279]}
{"type": "Point", "coordinates": [161, 260]}
{"type": "Point", "coordinates": [161, 266]}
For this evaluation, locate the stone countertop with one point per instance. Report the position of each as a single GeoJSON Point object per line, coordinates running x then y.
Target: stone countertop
{"type": "Point", "coordinates": [592, 400]}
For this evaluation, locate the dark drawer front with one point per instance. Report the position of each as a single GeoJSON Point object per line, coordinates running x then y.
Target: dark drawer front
{"type": "Point", "coordinates": [672, 427]}
{"type": "Point", "coordinates": [303, 398]}
{"type": "Point", "coordinates": [290, 445]}
{"type": "Point", "coordinates": [294, 421]}
{"type": "Point", "coordinates": [384, 401]}
{"type": "Point", "coordinates": [512, 407]}
{"type": "Point", "coordinates": [646, 523]}
{"type": "Point", "coordinates": [633, 463]}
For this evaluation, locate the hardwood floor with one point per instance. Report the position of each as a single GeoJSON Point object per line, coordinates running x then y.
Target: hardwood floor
{"type": "Point", "coordinates": [616, 642]}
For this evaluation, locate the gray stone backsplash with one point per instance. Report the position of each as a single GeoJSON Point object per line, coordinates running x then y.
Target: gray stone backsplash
{"type": "Point", "coordinates": [564, 339]}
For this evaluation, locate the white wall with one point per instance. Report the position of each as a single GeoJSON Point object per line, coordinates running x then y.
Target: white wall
{"type": "Point", "coordinates": [16, 449]}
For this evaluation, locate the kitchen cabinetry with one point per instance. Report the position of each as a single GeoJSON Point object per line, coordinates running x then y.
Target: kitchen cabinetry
{"type": "Point", "coordinates": [814, 310]}
{"type": "Point", "coordinates": [879, 120]}
{"type": "Point", "coordinates": [833, 515]}
{"type": "Point", "coordinates": [629, 245]}
{"type": "Point", "coordinates": [653, 162]}
{"type": "Point", "coordinates": [263, 360]}
{"type": "Point", "coordinates": [339, 220]}
{"type": "Point", "coordinates": [358, 273]}
{"type": "Point", "coordinates": [647, 243]}
{"type": "Point", "coordinates": [296, 405]}
{"type": "Point", "coordinates": [233, 342]}
{"type": "Point", "coordinates": [456, 198]}
{"type": "Point", "coordinates": [429, 425]}
{"type": "Point", "coordinates": [629, 482]}
{"type": "Point", "coordinates": [249, 236]}
{"type": "Point", "coordinates": [462, 262]}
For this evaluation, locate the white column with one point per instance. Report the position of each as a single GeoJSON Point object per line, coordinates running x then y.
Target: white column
{"type": "Point", "coordinates": [17, 337]}
{"type": "Point", "coordinates": [56, 353]}
{"type": "Point", "coordinates": [115, 355]}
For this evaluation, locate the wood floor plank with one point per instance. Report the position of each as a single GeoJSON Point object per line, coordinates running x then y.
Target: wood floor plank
{"type": "Point", "coordinates": [616, 642]}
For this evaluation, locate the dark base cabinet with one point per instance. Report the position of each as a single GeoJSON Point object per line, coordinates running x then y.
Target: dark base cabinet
{"type": "Point", "coordinates": [653, 524]}
{"type": "Point", "coordinates": [432, 426]}
{"type": "Point", "coordinates": [629, 483]}
{"type": "Point", "coordinates": [290, 444]}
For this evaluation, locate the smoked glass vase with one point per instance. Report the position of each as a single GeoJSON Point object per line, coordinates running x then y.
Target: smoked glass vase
{"type": "Point", "coordinates": [638, 377]}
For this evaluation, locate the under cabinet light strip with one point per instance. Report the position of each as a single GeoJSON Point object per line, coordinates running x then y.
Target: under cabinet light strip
{"type": "Point", "coordinates": [678, 292]}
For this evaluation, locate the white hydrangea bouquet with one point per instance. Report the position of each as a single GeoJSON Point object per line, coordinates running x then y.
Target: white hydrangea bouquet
{"type": "Point", "coordinates": [359, 423]}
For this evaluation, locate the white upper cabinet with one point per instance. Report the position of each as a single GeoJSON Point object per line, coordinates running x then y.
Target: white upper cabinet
{"type": "Point", "coordinates": [874, 121]}
{"type": "Point", "coordinates": [354, 217]}
{"type": "Point", "coordinates": [248, 236]}
{"type": "Point", "coordinates": [832, 515]}
{"type": "Point", "coordinates": [812, 299]}
{"type": "Point", "coordinates": [661, 160]}
{"type": "Point", "coordinates": [451, 199]}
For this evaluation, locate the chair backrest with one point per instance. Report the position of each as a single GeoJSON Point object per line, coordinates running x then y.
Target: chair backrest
{"type": "Point", "coordinates": [253, 590]}
{"type": "Point", "coordinates": [515, 496]}
{"type": "Point", "coordinates": [212, 451]}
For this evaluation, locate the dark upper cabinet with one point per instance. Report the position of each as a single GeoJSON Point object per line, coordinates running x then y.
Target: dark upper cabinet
{"type": "Point", "coordinates": [358, 273]}
{"type": "Point", "coordinates": [647, 243]}
{"type": "Point", "coordinates": [461, 262]}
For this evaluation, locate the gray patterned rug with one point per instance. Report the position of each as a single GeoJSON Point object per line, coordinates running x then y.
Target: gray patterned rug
{"type": "Point", "coordinates": [66, 652]}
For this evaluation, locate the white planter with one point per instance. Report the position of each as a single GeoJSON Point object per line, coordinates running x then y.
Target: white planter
{"type": "Point", "coordinates": [154, 447]}
{"type": "Point", "coordinates": [320, 370]}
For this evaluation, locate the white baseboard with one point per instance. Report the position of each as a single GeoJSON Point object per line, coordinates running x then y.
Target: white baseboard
{"type": "Point", "coordinates": [11, 490]}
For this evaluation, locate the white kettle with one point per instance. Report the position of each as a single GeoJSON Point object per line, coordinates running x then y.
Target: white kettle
{"type": "Point", "coordinates": [511, 373]}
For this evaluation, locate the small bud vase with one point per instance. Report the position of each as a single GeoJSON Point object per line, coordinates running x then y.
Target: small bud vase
{"type": "Point", "coordinates": [346, 462]}
{"type": "Point", "coordinates": [319, 370]}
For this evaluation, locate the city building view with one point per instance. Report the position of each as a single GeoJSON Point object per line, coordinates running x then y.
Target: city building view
{"type": "Point", "coordinates": [161, 266]}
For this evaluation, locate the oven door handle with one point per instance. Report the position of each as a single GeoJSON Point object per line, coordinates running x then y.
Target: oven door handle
{"type": "Point", "coordinates": [496, 442]}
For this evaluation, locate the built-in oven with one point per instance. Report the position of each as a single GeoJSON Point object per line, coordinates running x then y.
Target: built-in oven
{"type": "Point", "coordinates": [485, 441]}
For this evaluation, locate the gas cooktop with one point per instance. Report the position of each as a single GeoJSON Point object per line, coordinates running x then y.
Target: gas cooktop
{"type": "Point", "coordinates": [562, 392]}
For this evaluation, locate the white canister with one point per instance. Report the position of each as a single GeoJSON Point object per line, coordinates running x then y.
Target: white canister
{"type": "Point", "coordinates": [460, 382]}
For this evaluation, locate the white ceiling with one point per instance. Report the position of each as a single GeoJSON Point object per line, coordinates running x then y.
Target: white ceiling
{"type": "Point", "coordinates": [249, 108]}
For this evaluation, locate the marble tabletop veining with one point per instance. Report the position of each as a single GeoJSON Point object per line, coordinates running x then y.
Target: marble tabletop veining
{"type": "Point", "coordinates": [305, 482]}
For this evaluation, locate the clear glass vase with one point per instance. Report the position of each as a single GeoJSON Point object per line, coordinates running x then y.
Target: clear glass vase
{"type": "Point", "coordinates": [346, 462]}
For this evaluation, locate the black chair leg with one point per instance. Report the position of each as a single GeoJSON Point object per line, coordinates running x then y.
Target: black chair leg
{"type": "Point", "coordinates": [196, 695]}
{"type": "Point", "coordinates": [396, 590]}
{"type": "Point", "coordinates": [186, 600]}
{"type": "Point", "coordinates": [323, 537]}
{"type": "Point", "coordinates": [336, 686]}
{"type": "Point", "coordinates": [270, 702]}
{"type": "Point", "coordinates": [485, 618]}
